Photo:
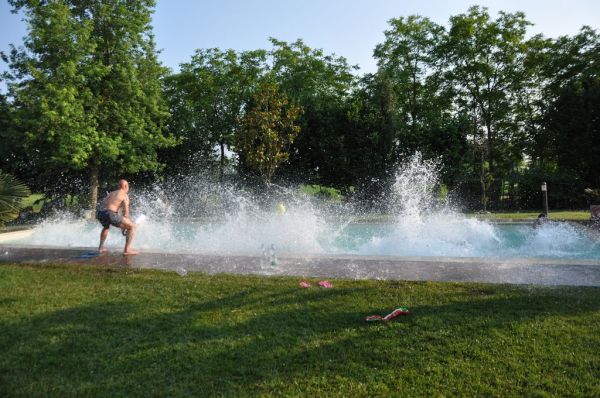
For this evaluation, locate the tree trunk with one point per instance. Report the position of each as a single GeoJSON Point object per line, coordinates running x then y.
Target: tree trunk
{"type": "Point", "coordinates": [482, 177]}
{"type": "Point", "coordinates": [94, 188]}
{"type": "Point", "coordinates": [222, 165]}
{"type": "Point", "coordinates": [413, 111]}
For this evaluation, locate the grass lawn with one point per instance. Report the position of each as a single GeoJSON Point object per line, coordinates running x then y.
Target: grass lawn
{"type": "Point", "coordinates": [84, 331]}
{"type": "Point", "coordinates": [561, 215]}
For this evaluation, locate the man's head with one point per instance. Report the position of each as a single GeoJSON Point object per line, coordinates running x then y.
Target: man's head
{"type": "Point", "coordinates": [124, 185]}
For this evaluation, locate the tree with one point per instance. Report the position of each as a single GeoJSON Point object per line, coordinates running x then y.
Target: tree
{"type": "Point", "coordinates": [411, 62]}
{"type": "Point", "coordinates": [6, 133]}
{"type": "Point", "coordinates": [574, 125]}
{"type": "Point", "coordinates": [321, 85]}
{"type": "Point", "coordinates": [369, 139]}
{"type": "Point", "coordinates": [572, 59]}
{"type": "Point", "coordinates": [207, 100]}
{"type": "Point", "coordinates": [534, 99]}
{"type": "Point", "coordinates": [562, 145]}
{"type": "Point", "coordinates": [268, 129]}
{"type": "Point", "coordinates": [87, 86]}
{"type": "Point", "coordinates": [408, 58]}
{"type": "Point", "coordinates": [486, 65]}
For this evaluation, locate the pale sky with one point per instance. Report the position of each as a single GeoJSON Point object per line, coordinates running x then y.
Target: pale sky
{"type": "Point", "coordinates": [349, 28]}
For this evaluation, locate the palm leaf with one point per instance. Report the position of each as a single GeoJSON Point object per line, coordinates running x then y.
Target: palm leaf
{"type": "Point", "coordinates": [12, 192]}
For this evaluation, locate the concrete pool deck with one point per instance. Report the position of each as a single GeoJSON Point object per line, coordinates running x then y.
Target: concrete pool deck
{"type": "Point", "coordinates": [535, 271]}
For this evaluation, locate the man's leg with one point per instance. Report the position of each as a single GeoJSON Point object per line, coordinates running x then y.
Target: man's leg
{"type": "Point", "coordinates": [103, 236]}
{"type": "Point", "coordinates": [130, 227]}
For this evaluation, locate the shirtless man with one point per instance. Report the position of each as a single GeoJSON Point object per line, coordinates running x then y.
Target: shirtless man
{"type": "Point", "coordinates": [109, 215]}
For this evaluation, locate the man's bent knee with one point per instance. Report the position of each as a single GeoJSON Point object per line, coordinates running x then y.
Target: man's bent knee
{"type": "Point", "coordinates": [128, 225]}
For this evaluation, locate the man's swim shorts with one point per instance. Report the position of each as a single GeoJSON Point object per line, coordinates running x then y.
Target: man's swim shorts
{"type": "Point", "coordinates": [108, 217]}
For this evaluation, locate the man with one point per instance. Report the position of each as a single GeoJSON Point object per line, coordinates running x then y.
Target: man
{"type": "Point", "coordinates": [541, 220]}
{"type": "Point", "coordinates": [109, 215]}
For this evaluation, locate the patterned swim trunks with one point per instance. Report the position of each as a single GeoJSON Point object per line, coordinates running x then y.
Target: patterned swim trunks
{"type": "Point", "coordinates": [108, 217]}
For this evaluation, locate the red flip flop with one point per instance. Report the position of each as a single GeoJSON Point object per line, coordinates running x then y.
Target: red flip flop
{"type": "Point", "coordinates": [397, 312]}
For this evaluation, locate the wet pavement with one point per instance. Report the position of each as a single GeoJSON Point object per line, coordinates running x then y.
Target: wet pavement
{"type": "Point", "coordinates": [537, 271]}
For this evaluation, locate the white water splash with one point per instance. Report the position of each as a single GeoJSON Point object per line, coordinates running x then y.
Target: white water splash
{"type": "Point", "coordinates": [425, 227]}
{"type": "Point", "coordinates": [242, 228]}
{"type": "Point", "coordinates": [229, 221]}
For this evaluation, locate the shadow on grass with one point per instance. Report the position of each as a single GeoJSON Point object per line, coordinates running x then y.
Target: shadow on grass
{"type": "Point", "coordinates": [261, 341]}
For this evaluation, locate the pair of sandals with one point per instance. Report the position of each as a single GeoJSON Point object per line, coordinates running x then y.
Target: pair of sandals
{"type": "Point", "coordinates": [325, 284]}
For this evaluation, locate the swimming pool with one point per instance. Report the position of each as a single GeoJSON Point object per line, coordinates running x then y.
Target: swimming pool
{"type": "Point", "coordinates": [449, 237]}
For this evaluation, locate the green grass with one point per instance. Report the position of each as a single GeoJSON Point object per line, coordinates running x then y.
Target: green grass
{"type": "Point", "coordinates": [562, 215]}
{"type": "Point", "coordinates": [86, 331]}
{"type": "Point", "coordinates": [322, 192]}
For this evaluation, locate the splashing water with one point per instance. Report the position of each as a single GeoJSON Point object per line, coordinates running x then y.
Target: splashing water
{"type": "Point", "coordinates": [207, 218]}
{"type": "Point", "coordinates": [236, 224]}
{"type": "Point", "coordinates": [424, 227]}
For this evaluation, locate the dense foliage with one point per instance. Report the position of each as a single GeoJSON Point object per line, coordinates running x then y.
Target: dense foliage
{"type": "Point", "coordinates": [268, 129]}
{"type": "Point", "coordinates": [502, 110]}
{"type": "Point", "coordinates": [86, 89]}
{"type": "Point", "coordinates": [12, 192]}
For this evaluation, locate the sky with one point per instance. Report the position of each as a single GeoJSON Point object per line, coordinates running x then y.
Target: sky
{"type": "Point", "coordinates": [348, 28]}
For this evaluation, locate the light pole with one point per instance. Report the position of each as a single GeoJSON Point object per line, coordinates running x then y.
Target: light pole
{"type": "Point", "coordinates": [545, 198]}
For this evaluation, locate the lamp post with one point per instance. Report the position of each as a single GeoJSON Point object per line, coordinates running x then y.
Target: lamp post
{"type": "Point", "coordinates": [545, 198]}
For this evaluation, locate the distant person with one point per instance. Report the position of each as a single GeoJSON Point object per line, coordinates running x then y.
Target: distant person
{"type": "Point", "coordinates": [542, 219]}
{"type": "Point", "coordinates": [108, 214]}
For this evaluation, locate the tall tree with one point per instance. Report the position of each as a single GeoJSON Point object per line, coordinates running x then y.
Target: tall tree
{"type": "Point", "coordinates": [571, 59]}
{"type": "Point", "coordinates": [554, 65]}
{"type": "Point", "coordinates": [6, 134]}
{"type": "Point", "coordinates": [411, 61]}
{"type": "Point", "coordinates": [408, 58]}
{"type": "Point", "coordinates": [486, 64]}
{"type": "Point", "coordinates": [370, 139]}
{"type": "Point", "coordinates": [574, 126]}
{"type": "Point", "coordinates": [320, 84]}
{"type": "Point", "coordinates": [268, 129]}
{"type": "Point", "coordinates": [87, 86]}
{"type": "Point", "coordinates": [207, 101]}
{"type": "Point", "coordinates": [533, 100]}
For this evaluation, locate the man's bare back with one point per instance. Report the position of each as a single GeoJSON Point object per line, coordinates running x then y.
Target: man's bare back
{"type": "Point", "coordinates": [109, 215]}
{"type": "Point", "coordinates": [115, 200]}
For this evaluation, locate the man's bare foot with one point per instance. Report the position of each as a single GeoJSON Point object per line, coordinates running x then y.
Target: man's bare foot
{"type": "Point", "coordinates": [102, 250]}
{"type": "Point", "coordinates": [131, 253]}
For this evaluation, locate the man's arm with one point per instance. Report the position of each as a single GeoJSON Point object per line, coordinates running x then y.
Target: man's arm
{"type": "Point", "coordinates": [126, 206]}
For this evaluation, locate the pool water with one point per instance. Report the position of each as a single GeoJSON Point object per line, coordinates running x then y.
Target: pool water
{"type": "Point", "coordinates": [420, 225]}
{"type": "Point", "coordinates": [556, 240]}
{"type": "Point", "coordinates": [437, 236]}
